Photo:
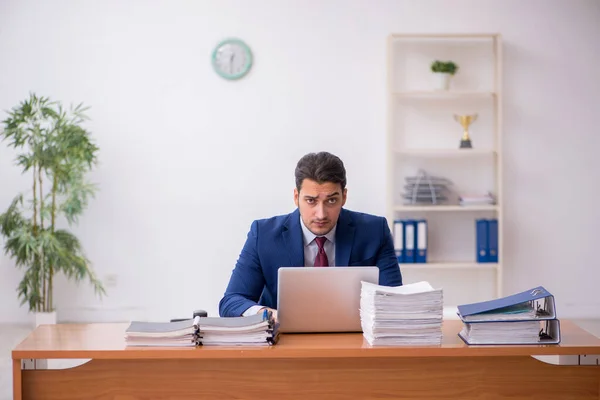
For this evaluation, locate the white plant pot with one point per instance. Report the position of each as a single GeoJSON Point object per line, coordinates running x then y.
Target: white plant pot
{"type": "Point", "coordinates": [45, 318]}
{"type": "Point", "coordinates": [443, 80]}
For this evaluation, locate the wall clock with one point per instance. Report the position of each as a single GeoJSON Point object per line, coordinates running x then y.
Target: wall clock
{"type": "Point", "coordinates": [232, 59]}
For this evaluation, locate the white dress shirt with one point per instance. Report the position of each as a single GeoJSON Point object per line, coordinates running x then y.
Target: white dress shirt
{"type": "Point", "coordinates": [311, 248]}
{"type": "Point", "coordinates": [310, 252]}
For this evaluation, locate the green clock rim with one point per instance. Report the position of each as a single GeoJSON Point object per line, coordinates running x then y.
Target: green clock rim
{"type": "Point", "coordinates": [247, 65]}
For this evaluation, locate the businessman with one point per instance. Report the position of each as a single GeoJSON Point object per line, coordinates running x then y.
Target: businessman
{"type": "Point", "coordinates": [319, 233]}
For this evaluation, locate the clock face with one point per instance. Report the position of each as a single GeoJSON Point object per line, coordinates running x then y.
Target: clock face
{"type": "Point", "coordinates": [232, 59]}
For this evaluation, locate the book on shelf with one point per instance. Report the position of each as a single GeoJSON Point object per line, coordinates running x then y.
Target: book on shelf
{"type": "Point", "coordinates": [476, 199]}
{"type": "Point", "coordinates": [253, 330]}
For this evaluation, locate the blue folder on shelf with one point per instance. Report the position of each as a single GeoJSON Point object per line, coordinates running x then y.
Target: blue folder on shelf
{"type": "Point", "coordinates": [492, 238]}
{"type": "Point", "coordinates": [482, 240]}
{"type": "Point", "coordinates": [421, 241]}
{"type": "Point", "coordinates": [410, 240]}
{"type": "Point", "coordinates": [399, 240]}
{"type": "Point", "coordinates": [533, 304]}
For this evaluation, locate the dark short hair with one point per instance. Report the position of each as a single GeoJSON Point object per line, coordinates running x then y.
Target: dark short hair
{"type": "Point", "coordinates": [320, 167]}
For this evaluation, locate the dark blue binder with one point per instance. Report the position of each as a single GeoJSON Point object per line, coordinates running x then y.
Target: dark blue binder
{"type": "Point", "coordinates": [399, 241]}
{"type": "Point", "coordinates": [536, 303]}
{"type": "Point", "coordinates": [493, 240]}
{"type": "Point", "coordinates": [410, 240]}
{"type": "Point", "coordinates": [481, 240]}
{"type": "Point", "coordinates": [421, 241]}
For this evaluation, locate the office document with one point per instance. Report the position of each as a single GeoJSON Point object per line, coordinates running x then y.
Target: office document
{"type": "Point", "coordinates": [405, 315]}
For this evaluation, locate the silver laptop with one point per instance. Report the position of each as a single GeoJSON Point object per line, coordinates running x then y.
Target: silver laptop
{"type": "Point", "coordinates": [321, 299]}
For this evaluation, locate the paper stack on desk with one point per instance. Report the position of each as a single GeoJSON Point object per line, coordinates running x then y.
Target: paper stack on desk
{"type": "Point", "coordinates": [253, 330]}
{"type": "Point", "coordinates": [528, 317]}
{"type": "Point", "coordinates": [167, 334]}
{"type": "Point", "coordinates": [405, 315]}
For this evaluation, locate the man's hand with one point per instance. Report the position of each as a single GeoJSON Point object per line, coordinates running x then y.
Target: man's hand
{"type": "Point", "coordinates": [274, 312]}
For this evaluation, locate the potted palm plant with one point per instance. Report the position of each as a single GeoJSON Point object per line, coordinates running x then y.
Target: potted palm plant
{"type": "Point", "coordinates": [57, 153]}
{"type": "Point", "coordinates": [444, 70]}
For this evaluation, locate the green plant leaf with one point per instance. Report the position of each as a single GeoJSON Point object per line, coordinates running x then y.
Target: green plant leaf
{"type": "Point", "coordinates": [58, 153]}
{"type": "Point", "coordinates": [448, 67]}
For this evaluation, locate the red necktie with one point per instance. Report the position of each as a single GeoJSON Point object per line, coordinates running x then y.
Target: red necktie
{"type": "Point", "coordinates": [321, 258]}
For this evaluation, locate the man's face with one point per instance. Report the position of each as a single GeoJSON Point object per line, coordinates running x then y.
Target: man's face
{"type": "Point", "coordinates": [320, 205]}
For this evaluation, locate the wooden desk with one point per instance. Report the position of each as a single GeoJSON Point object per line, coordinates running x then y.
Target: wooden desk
{"type": "Point", "coordinates": [301, 366]}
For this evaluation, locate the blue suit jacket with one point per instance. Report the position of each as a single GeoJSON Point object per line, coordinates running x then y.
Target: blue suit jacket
{"type": "Point", "coordinates": [360, 240]}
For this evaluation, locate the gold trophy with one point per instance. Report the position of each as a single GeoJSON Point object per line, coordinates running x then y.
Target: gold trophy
{"type": "Point", "coordinates": [465, 121]}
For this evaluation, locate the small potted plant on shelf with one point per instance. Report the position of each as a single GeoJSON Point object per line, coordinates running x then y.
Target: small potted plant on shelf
{"type": "Point", "coordinates": [56, 152]}
{"type": "Point", "coordinates": [444, 70]}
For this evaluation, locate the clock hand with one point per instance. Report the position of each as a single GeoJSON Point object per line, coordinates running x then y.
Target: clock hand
{"type": "Point", "coordinates": [231, 62]}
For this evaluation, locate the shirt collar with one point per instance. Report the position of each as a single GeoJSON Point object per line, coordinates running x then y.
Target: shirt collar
{"type": "Point", "coordinates": [309, 236]}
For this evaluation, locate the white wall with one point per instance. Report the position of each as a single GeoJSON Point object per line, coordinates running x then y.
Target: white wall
{"type": "Point", "coordinates": [188, 160]}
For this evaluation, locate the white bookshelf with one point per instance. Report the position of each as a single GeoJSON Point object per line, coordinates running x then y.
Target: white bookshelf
{"type": "Point", "coordinates": [424, 94]}
{"type": "Point", "coordinates": [441, 208]}
{"type": "Point", "coordinates": [446, 153]}
{"type": "Point", "coordinates": [449, 265]}
{"type": "Point", "coordinates": [423, 135]}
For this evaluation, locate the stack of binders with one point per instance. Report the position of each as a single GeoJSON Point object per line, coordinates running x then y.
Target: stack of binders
{"type": "Point", "coordinates": [528, 317]}
{"type": "Point", "coordinates": [253, 330]}
{"type": "Point", "coordinates": [410, 240]}
{"type": "Point", "coordinates": [405, 315]}
{"type": "Point", "coordinates": [162, 334]}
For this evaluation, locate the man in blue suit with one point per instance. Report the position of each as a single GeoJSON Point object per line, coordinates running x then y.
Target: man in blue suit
{"type": "Point", "coordinates": [318, 233]}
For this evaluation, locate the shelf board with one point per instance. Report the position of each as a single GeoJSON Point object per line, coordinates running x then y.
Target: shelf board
{"type": "Point", "coordinates": [443, 94]}
{"type": "Point", "coordinates": [446, 152]}
{"type": "Point", "coordinates": [417, 208]}
{"type": "Point", "coordinates": [450, 265]}
{"type": "Point", "coordinates": [445, 36]}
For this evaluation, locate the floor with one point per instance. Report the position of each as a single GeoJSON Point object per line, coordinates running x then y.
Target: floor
{"type": "Point", "coordinates": [11, 335]}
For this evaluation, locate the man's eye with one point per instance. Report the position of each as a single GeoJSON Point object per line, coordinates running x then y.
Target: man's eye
{"type": "Point", "coordinates": [310, 201]}
{"type": "Point", "coordinates": [332, 201]}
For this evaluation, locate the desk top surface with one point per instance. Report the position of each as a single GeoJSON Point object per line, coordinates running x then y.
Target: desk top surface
{"type": "Point", "coordinates": [107, 341]}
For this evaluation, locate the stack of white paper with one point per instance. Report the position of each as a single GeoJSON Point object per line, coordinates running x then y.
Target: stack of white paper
{"type": "Point", "coordinates": [502, 332]}
{"type": "Point", "coordinates": [404, 315]}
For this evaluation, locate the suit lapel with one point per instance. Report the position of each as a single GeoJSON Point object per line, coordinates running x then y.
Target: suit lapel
{"type": "Point", "coordinates": [292, 239]}
{"type": "Point", "coordinates": [344, 236]}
